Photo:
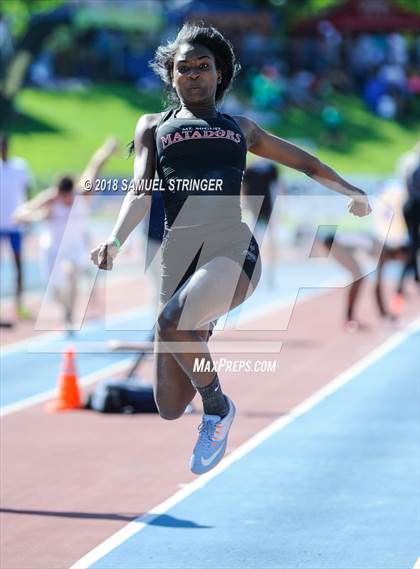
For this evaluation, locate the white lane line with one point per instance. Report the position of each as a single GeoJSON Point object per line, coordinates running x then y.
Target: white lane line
{"type": "Point", "coordinates": [342, 379]}
{"type": "Point", "coordinates": [417, 564]}
{"type": "Point", "coordinates": [84, 381]}
{"type": "Point", "coordinates": [55, 336]}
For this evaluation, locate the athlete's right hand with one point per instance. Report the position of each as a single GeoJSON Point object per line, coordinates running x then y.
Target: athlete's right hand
{"type": "Point", "coordinates": [104, 255]}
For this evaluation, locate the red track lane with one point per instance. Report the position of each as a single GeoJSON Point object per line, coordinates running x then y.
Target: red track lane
{"type": "Point", "coordinates": [71, 480]}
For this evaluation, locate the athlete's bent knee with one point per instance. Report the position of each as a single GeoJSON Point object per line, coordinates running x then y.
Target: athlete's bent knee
{"type": "Point", "coordinates": [170, 414]}
{"type": "Point", "coordinates": [167, 323]}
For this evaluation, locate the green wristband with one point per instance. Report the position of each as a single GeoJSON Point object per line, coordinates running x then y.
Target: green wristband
{"type": "Point", "coordinates": [117, 242]}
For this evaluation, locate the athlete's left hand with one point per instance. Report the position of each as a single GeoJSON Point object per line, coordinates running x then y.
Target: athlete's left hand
{"type": "Point", "coordinates": [359, 205]}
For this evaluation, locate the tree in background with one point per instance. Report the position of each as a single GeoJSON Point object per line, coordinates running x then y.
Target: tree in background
{"type": "Point", "coordinates": [292, 11]}
{"type": "Point", "coordinates": [32, 22]}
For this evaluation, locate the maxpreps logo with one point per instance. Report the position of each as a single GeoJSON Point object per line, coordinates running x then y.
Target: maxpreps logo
{"type": "Point", "coordinates": [198, 133]}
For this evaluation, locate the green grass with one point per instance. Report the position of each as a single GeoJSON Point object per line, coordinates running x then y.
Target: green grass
{"type": "Point", "coordinates": [371, 146]}
{"type": "Point", "coordinates": [57, 132]}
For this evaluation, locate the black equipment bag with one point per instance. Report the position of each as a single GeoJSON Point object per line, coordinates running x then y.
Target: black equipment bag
{"type": "Point", "coordinates": [122, 396]}
{"type": "Point", "coordinates": [130, 395]}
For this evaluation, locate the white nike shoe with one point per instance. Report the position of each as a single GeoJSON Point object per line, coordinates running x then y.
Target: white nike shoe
{"type": "Point", "coordinates": [212, 440]}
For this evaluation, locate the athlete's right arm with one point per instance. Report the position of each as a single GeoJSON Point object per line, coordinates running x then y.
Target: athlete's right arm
{"type": "Point", "coordinates": [38, 208]}
{"type": "Point", "coordinates": [136, 203]}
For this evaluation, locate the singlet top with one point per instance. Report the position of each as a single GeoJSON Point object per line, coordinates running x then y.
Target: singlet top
{"type": "Point", "coordinates": [201, 162]}
{"type": "Point", "coordinates": [14, 178]}
{"type": "Point", "coordinates": [66, 226]}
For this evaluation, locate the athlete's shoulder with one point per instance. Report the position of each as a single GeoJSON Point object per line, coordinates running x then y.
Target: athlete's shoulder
{"type": "Point", "coordinates": [148, 122]}
{"type": "Point", "coordinates": [250, 128]}
{"type": "Point", "coordinates": [145, 129]}
{"type": "Point", "coordinates": [15, 163]}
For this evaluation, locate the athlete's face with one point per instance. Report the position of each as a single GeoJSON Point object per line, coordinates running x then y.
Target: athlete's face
{"type": "Point", "coordinates": [195, 76]}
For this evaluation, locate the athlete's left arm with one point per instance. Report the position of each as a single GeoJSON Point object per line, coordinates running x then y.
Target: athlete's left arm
{"type": "Point", "coordinates": [267, 145]}
{"type": "Point", "coordinates": [89, 175]}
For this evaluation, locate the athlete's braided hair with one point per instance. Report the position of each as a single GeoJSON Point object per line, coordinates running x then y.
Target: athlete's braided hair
{"type": "Point", "coordinates": [163, 62]}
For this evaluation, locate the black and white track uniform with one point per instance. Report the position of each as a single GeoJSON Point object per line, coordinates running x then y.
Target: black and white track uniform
{"type": "Point", "coordinates": [201, 162]}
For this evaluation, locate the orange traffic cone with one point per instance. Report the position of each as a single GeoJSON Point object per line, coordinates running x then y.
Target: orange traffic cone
{"type": "Point", "coordinates": [396, 305]}
{"type": "Point", "coordinates": [68, 389]}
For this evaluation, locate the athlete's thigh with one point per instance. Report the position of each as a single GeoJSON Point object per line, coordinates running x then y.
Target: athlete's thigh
{"type": "Point", "coordinates": [211, 292]}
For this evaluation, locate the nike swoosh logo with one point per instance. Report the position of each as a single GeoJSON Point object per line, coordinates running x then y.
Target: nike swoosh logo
{"type": "Point", "coordinates": [207, 461]}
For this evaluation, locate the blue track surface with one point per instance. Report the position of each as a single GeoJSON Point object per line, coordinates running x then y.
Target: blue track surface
{"type": "Point", "coordinates": [336, 489]}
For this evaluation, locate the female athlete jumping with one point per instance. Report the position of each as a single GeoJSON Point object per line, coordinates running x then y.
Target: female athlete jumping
{"type": "Point", "coordinates": [210, 260]}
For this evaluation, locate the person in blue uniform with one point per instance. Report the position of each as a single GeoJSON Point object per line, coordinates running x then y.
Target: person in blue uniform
{"type": "Point", "coordinates": [210, 259]}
